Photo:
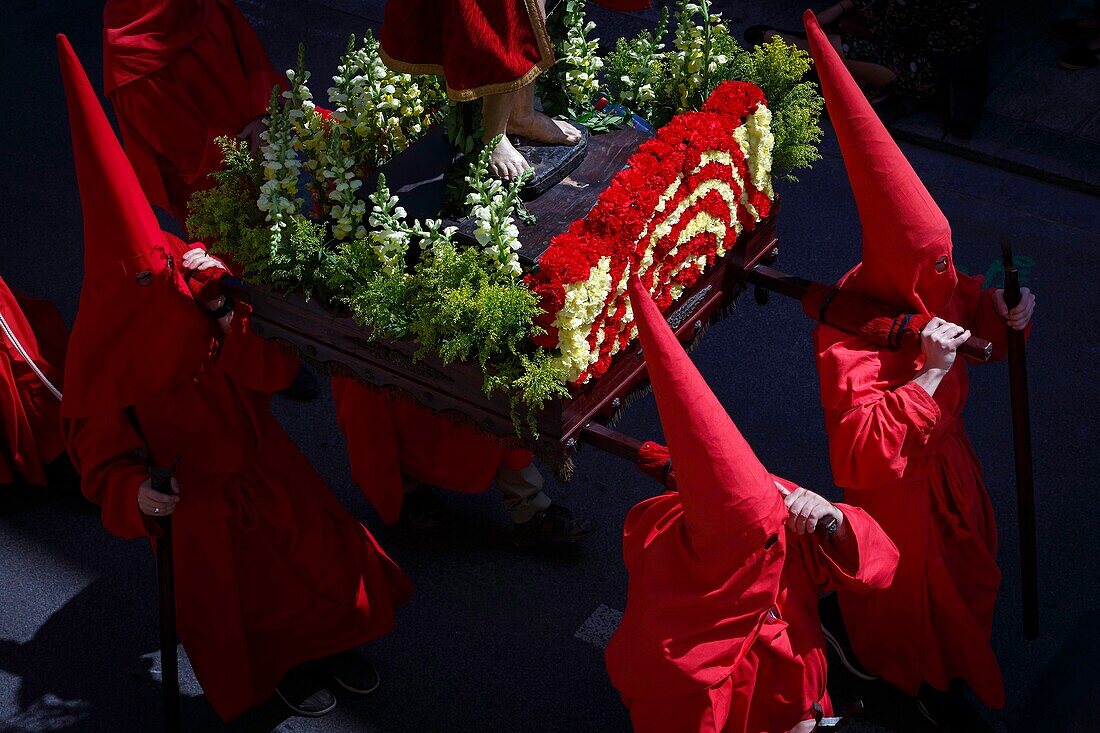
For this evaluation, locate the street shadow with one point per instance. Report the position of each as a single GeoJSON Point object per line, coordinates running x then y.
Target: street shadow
{"type": "Point", "coordinates": [94, 666]}
{"type": "Point", "coordinates": [1063, 698]}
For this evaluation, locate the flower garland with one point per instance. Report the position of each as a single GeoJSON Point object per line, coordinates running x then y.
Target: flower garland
{"type": "Point", "coordinates": [684, 198]}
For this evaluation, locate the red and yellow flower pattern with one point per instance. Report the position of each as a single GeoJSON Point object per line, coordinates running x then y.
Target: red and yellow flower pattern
{"type": "Point", "coordinates": [681, 202]}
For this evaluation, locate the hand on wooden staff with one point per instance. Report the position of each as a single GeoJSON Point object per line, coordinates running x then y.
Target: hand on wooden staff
{"type": "Point", "coordinates": [154, 503]}
{"type": "Point", "coordinates": [1020, 316]}
{"type": "Point", "coordinates": [807, 511]}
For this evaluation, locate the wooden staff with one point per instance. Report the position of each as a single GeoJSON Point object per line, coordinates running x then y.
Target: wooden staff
{"type": "Point", "coordinates": [166, 597]}
{"type": "Point", "coordinates": [1021, 434]}
{"type": "Point", "coordinates": [161, 482]}
{"type": "Point", "coordinates": [876, 322]}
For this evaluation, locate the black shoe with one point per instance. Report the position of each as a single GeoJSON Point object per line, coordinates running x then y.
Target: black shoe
{"type": "Point", "coordinates": [353, 672]}
{"type": "Point", "coordinates": [423, 509]}
{"type": "Point", "coordinates": [301, 692]}
{"type": "Point", "coordinates": [304, 387]}
{"type": "Point", "coordinates": [1080, 57]}
{"type": "Point", "coordinates": [836, 636]}
{"type": "Point", "coordinates": [950, 711]}
{"type": "Point", "coordinates": [553, 525]}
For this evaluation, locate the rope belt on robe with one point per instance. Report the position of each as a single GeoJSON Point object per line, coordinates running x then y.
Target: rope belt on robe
{"type": "Point", "coordinates": [30, 362]}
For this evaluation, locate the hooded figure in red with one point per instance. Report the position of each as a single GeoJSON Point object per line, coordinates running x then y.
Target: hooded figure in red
{"type": "Point", "coordinates": [894, 418]}
{"type": "Point", "coordinates": [399, 450]}
{"type": "Point", "coordinates": [32, 357]}
{"type": "Point", "coordinates": [271, 571]}
{"type": "Point", "coordinates": [181, 73]}
{"type": "Point", "coordinates": [721, 631]}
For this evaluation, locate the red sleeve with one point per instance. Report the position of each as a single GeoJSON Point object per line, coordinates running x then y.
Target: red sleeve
{"type": "Point", "coordinates": [104, 449]}
{"type": "Point", "coordinates": [868, 561]}
{"type": "Point", "coordinates": [981, 316]}
{"type": "Point", "coordinates": [158, 111]}
{"type": "Point", "coordinates": [870, 444]}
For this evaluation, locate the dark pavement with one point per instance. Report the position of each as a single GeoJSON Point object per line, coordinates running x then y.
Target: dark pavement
{"type": "Point", "coordinates": [495, 639]}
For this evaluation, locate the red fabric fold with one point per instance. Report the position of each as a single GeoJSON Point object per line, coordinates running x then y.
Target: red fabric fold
{"type": "Point", "coordinates": [30, 414]}
{"type": "Point", "coordinates": [271, 571]}
{"type": "Point", "coordinates": [391, 440]}
{"type": "Point", "coordinates": [479, 48]}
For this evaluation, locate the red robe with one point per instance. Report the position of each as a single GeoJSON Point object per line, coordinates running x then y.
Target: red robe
{"type": "Point", "coordinates": [179, 75]}
{"type": "Point", "coordinates": [905, 458]}
{"type": "Point", "coordinates": [712, 642]}
{"type": "Point", "coordinates": [30, 414]}
{"type": "Point", "coordinates": [271, 571]}
{"type": "Point", "coordinates": [389, 438]}
{"type": "Point", "coordinates": [479, 48]}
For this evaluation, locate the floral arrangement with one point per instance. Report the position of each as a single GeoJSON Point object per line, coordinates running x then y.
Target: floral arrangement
{"type": "Point", "coordinates": [681, 202]}
{"type": "Point", "coordinates": [295, 216]}
{"type": "Point", "coordinates": [659, 82]}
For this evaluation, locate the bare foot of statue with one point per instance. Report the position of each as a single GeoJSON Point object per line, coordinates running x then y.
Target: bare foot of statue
{"type": "Point", "coordinates": [505, 161]}
{"type": "Point", "coordinates": [544, 129]}
{"type": "Point", "coordinates": [526, 121]}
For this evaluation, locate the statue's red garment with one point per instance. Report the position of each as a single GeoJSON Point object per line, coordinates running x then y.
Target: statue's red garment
{"type": "Point", "coordinates": [896, 451]}
{"type": "Point", "coordinates": [30, 414]}
{"type": "Point", "coordinates": [391, 438]}
{"type": "Point", "coordinates": [479, 48]}
{"type": "Point", "coordinates": [721, 632]}
{"type": "Point", "coordinates": [271, 571]}
{"type": "Point", "coordinates": [180, 74]}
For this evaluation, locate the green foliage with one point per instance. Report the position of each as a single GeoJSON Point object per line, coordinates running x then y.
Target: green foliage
{"type": "Point", "coordinates": [778, 69]}
{"type": "Point", "coordinates": [465, 312]}
{"type": "Point", "coordinates": [300, 260]}
{"type": "Point", "coordinates": [225, 217]}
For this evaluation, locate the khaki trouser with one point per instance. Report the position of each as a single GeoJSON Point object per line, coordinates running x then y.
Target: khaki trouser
{"type": "Point", "coordinates": [522, 490]}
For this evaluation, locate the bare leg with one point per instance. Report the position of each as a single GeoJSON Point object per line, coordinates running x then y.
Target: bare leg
{"type": "Point", "coordinates": [865, 73]}
{"type": "Point", "coordinates": [505, 161]}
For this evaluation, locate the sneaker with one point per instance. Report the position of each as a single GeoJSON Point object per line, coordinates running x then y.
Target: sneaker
{"type": "Point", "coordinates": [304, 388]}
{"type": "Point", "coordinates": [301, 692]}
{"type": "Point", "coordinates": [1080, 57]}
{"type": "Point", "coordinates": [553, 525]}
{"type": "Point", "coordinates": [353, 672]}
{"type": "Point", "coordinates": [836, 636]}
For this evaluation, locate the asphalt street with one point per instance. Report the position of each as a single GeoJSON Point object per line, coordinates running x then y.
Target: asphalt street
{"type": "Point", "coordinates": [500, 640]}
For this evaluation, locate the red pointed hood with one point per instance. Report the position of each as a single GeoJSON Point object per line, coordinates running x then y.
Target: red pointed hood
{"type": "Point", "coordinates": [904, 232]}
{"type": "Point", "coordinates": [722, 484]}
{"type": "Point", "coordinates": [138, 330]}
{"type": "Point", "coordinates": [142, 36]}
